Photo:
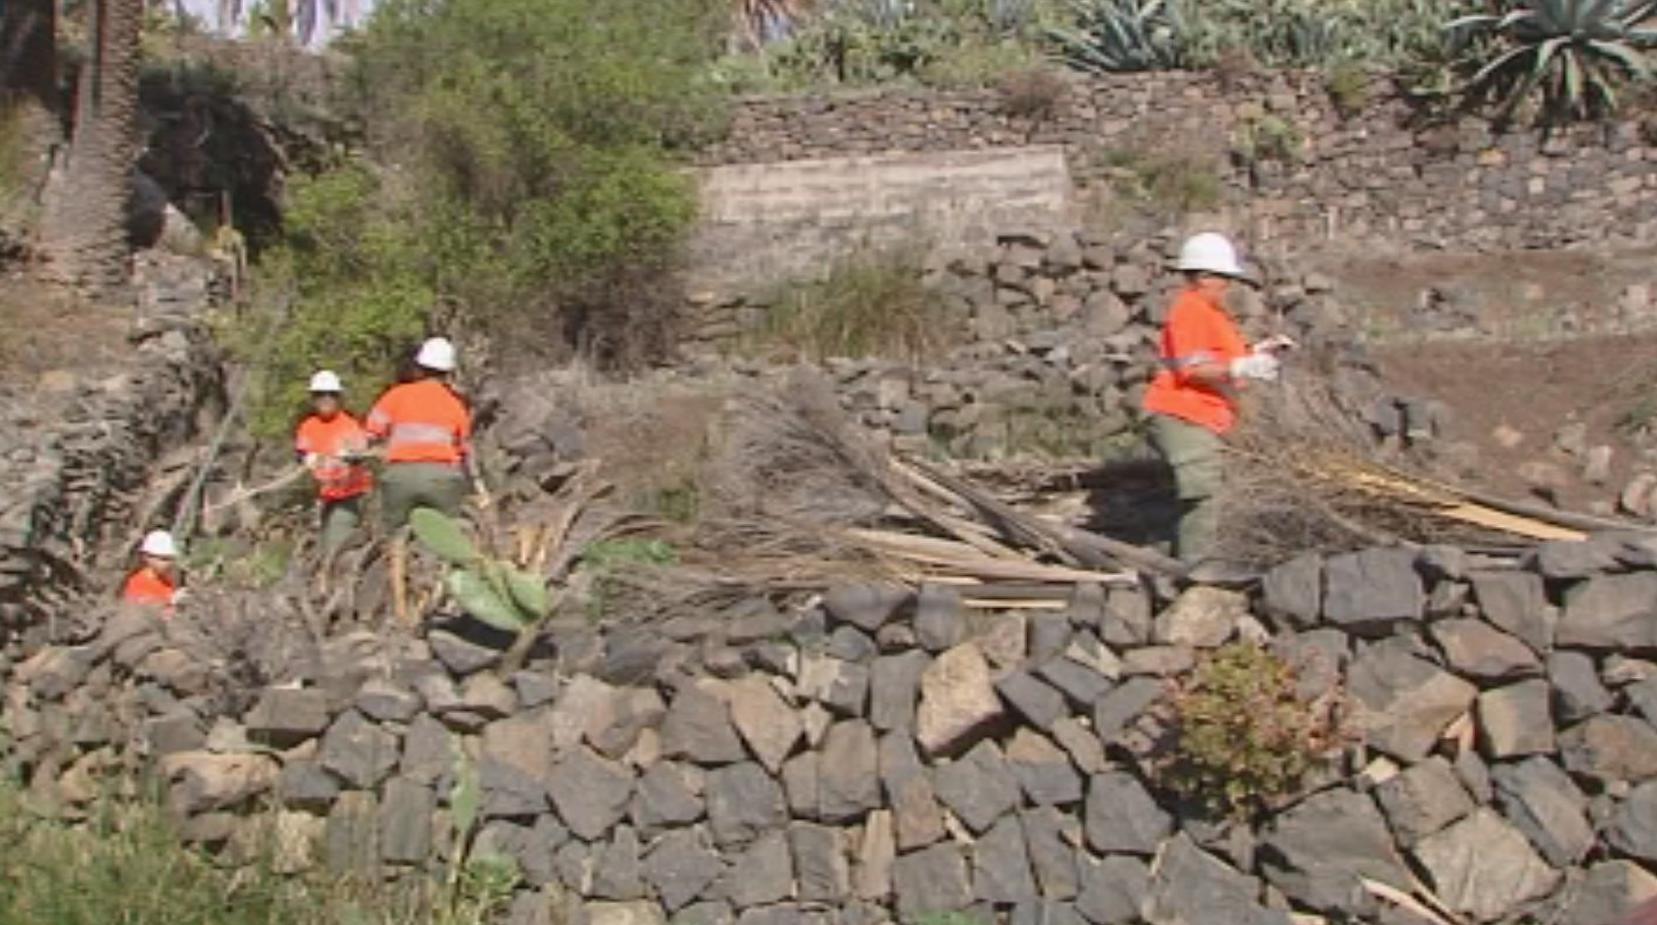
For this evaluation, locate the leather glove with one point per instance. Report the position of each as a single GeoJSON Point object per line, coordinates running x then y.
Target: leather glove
{"type": "Point", "coordinates": [1261, 366]}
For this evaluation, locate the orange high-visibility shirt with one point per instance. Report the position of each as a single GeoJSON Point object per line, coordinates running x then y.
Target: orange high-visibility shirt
{"type": "Point", "coordinates": [335, 480]}
{"type": "Point", "coordinates": [422, 421]}
{"type": "Point", "coordinates": [147, 586]}
{"type": "Point", "coordinates": [1198, 331]}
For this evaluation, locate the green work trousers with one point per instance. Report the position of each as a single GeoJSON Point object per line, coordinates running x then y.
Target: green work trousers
{"type": "Point", "coordinates": [1193, 452]}
{"type": "Point", "coordinates": [408, 485]}
{"type": "Point", "coordinates": [340, 520]}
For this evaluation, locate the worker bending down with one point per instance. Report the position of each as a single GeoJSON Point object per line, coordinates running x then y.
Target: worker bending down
{"type": "Point", "coordinates": [1192, 401]}
{"type": "Point", "coordinates": [426, 431]}
{"type": "Point", "coordinates": [155, 583]}
{"type": "Point", "coordinates": [331, 444]}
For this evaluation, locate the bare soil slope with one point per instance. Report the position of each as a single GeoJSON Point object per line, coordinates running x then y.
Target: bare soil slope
{"type": "Point", "coordinates": [1532, 390]}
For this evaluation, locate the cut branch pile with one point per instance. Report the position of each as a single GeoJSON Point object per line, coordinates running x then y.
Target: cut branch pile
{"type": "Point", "coordinates": [797, 497]}
{"type": "Point", "coordinates": [1304, 476]}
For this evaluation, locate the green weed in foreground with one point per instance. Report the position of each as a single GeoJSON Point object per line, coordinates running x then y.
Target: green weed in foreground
{"type": "Point", "coordinates": [607, 559]}
{"type": "Point", "coordinates": [127, 866]}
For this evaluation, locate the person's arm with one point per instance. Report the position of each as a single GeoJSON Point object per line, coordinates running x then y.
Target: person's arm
{"type": "Point", "coordinates": [377, 425]}
{"type": "Point", "coordinates": [1214, 338]}
{"type": "Point", "coordinates": [1195, 350]}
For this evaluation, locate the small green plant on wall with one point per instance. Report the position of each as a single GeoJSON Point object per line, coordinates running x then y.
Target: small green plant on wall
{"type": "Point", "coordinates": [1268, 138]}
{"type": "Point", "coordinates": [1245, 740]}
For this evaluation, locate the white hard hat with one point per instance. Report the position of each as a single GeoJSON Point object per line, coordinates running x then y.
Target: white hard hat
{"type": "Point", "coordinates": [159, 543]}
{"type": "Point", "coordinates": [1210, 252]}
{"type": "Point", "coordinates": [437, 353]}
{"type": "Point", "coordinates": [326, 381]}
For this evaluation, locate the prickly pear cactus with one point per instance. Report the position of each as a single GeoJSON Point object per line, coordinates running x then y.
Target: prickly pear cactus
{"type": "Point", "coordinates": [440, 533]}
{"type": "Point", "coordinates": [492, 591]}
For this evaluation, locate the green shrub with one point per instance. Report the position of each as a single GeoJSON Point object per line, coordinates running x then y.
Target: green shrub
{"type": "Point", "coordinates": [1268, 138]}
{"type": "Point", "coordinates": [541, 132]}
{"type": "Point", "coordinates": [1244, 739]}
{"type": "Point", "coordinates": [347, 291]}
{"type": "Point", "coordinates": [1348, 87]}
{"type": "Point", "coordinates": [1572, 55]}
{"type": "Point", "coordinates": [238, 562]}
{"type": "Point", "coordinates": [606, 562]}
{"type": "Point", "coordinates": [612, 553]}
{"type": "Point", "coordinates": [1033, 94]}
{"type": "Point", "coordinates": [1165, 181]}
{"type": "Point", "coordinates": [534, 191]}
{"type": "Point", "coordinates": [981, 64]}
{"type": "Point", "coordinates": [870, 304]}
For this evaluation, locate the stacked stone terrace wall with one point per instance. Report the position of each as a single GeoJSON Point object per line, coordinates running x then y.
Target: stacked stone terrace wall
{"type": "Point", "coordinates": [890, 754]}
{"type": "Point", "coordinates": [1375, 174]}
{"type": "Point", "coordinates": [83, 448]}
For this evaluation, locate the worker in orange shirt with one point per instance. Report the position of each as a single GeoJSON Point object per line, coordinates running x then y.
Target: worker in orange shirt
{"type": "Point", "coordinates": [1192, 401]}
{"type": "Point", "coordinates": [155, 583]}
{"type": "Point", "coordinates": [331, 444]}
{"type": "Point", "coordinates": [426, 430]}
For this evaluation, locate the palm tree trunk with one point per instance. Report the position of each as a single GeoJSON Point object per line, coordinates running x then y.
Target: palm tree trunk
{"type": "Point", "coordinates": [84, 232]}
{"type": "Point", "coordinates": [28, 108]}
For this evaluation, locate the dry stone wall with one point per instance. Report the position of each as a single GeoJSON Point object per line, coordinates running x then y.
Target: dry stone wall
{"type": "Point", "coordinates": [1055, 336]}
{"type": "Point", "coordinates": [888, 754]}
{"type": "Point", "coordinates": [1371, 175]}
{"type": "Point", "coordinates": [83, 448]}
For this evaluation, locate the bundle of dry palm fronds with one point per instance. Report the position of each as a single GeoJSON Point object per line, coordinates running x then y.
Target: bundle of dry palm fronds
{"type": "Point", "coordinates": [795, 496]}
{"type": "Point", "coordinates": [1304, 475]}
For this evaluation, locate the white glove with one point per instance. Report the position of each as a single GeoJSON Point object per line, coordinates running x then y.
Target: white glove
{"type": "Point", "coordinates": [1276, 343]}
{"type": "Point", "coordinates": [1261, 366]}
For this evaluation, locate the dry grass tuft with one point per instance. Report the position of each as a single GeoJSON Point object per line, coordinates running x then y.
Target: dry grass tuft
{"type": "Point", "coordinates": [784, 468]}
{"type": "Point", "coordinates": [792, 455]}
{"type": "Point", "coordinates": [869, 304]}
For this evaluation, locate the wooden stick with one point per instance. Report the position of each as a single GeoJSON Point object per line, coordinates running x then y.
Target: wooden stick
{"type": "Point", "coordinates": [983, 603]}
{"type": "Point", "coordinates": [928, 486]}
{"type": "Point", "coordinates": [1012, 525]}
{"type": "Point", "coordinates": [281, 481]}
{"type": "Point", "coordinates": [1076, 545]}
{"type": "Point", "coordinates": [1495, 513]}
{"type": "Point", "coordinates": [1492, 519]}
{"type": "Point", "coordinates": [1572, 519]}
{"type": "Point", "coordinates": [927, 552]}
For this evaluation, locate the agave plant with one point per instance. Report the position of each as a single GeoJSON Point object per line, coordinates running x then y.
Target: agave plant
{"type": "Point", "coordinates": [1124, 35]}
{"type": "Point", "coordinates": [1575, 52]}
{"type": "Point", "coordinates": [491, 590]}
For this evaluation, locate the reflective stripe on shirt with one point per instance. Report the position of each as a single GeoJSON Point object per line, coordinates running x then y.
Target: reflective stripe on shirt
{"type": "Point", "coordinates": [1186, 362]}
{"type": "Point", "coordinates": [405, 433]}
